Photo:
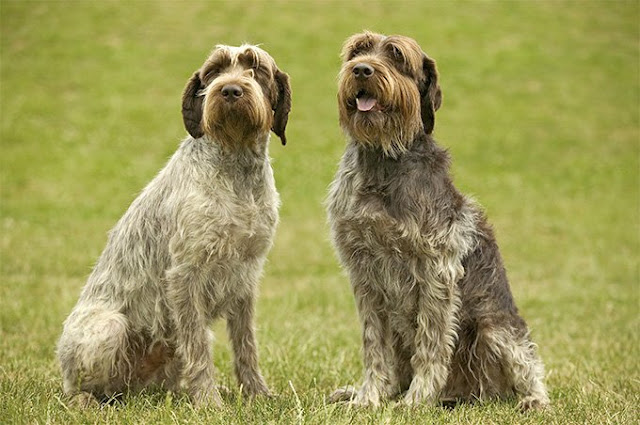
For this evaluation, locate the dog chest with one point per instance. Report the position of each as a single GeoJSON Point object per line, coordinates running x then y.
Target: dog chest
{"type": "Point", "coordinates": [398, 208]}
{"type": "Point", "coordinates": [252, 229]}
{"type": "Point", "coordinates": [223, 224]}
{"type": "Point", "coordinates": [369, 220]}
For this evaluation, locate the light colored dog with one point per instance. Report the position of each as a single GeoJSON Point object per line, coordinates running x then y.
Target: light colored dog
{"type": "Point", "coordinates": [438, 318]}
{"type": "Point", "coordinates": [190, 248]}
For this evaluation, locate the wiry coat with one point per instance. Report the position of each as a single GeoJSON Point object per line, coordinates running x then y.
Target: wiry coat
{"type": "Point", "coordinates": [190, 249]}
{"type": "Point", "coordinates": [438, 317]}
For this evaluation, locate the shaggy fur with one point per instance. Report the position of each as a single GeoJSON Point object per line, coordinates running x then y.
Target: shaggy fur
{"type": "Point", "coordinates": [190, 248]}
{"type": "Point", "coordinates": [438, 318]}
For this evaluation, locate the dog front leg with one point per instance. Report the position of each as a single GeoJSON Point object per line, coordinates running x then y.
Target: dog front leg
{"type": "Point", "coordinates": [193, 338]}
{"type": "Point", "coordinates": [378, 375]}
{"type": "Point", "coordinates": [435, 339]}
{"type": "Point", "coordinates": [241, 331]}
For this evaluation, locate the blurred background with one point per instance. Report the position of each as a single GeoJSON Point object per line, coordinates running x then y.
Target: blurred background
{"type": "Point", "coordinates": [541, 114]}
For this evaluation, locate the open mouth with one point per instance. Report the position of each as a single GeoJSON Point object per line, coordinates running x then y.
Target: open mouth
{"type": "Point", "coordinates": [365, 102]}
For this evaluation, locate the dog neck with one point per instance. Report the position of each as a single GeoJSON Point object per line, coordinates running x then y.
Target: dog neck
{"type": "Point", "coordinates": [255, 148]}
{"type": "Point", "coordinates": [392, 145]}
{"type": "Point", "coordinates": [421, 143]}
{"type": "Point", "coordinates": [246, 169]}
{"type": "Point", "coordinates": [251, 158]}
{"type": "Point", "coordinates": [377, 164]}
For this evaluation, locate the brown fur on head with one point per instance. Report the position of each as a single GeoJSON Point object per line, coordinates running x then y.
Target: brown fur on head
{"type": "Point", "coordinates": [264, 102]}
{"type": "Point", "coordinates": [396, 100]}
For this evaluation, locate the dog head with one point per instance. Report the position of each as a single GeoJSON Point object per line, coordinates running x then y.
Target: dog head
{"type": "Point", "coordinates": [237, 95]}
{"type": "Point", "coordinates": [388, 90]}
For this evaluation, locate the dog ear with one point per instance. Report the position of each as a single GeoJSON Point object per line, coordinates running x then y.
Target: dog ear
{"type": "Point", "coordinates": [192, 106]}
{"type": "Point", "coordinates": [430, 94]}
{"type": "Point", "coordinates": [282, 106]}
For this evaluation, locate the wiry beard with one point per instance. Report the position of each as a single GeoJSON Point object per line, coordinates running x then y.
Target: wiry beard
{"type": "Point", "coordinates": [236, 124]}
{"type": "Point", "coordinates": [387, 130]}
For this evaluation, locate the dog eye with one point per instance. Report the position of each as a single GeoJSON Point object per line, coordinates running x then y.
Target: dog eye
{"type": "Point", "coordinates": [211, 74]}
{"type": "Point", "coordinates": [249, 60]}
{"type": "Point", "coordinates": [359, 47]}
{"type": "Point", "coordinates": [261, 71]}
{"type": "Point", "coordinates": [359, 50]}
{"type": "Point", "coordinates": [396, 53]}
{"type": "Point", "coordinates": [353, 53]}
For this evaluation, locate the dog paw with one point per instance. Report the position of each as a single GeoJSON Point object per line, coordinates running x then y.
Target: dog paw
{"type": "Point", "coordinates": [84, 400]}
{"type": "Point", "coordinates": [206, 397]}
{"type": "Point", "coordinates": [343, 394]}
{"type": "Point", "coordinates": [223, 390]}
{"type": "Point", "coordinates": [366, 397]}
{"type": "Point", "coordinates": [533, 403]}
{"type": "Point", "coordinates": [257, 390]}
{"type": "Point", "coordinates": [417, 395]}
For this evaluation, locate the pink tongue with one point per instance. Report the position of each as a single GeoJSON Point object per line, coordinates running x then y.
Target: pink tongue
{"type": "Point", "coordinates": [365, 103]}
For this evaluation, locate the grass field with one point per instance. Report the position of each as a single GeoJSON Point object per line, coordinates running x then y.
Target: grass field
{"type": "Point", "coordinates": [541, 114]}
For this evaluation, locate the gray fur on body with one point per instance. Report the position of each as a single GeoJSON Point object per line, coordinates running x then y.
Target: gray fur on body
{"type": "Point", "coordinates": [189, 250]}
{"type": "Point", "coordinates": [439, 321]}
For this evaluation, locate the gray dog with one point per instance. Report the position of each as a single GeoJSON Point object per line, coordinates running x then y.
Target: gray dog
{"type": "Point", "coordinates": [190, 248]}
{"type": "Point", "coordinates": [438, 318]}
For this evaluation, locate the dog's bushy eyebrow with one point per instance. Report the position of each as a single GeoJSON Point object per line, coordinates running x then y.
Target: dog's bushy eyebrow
{"type": "Point", "coordinates": [395, 50]}
{"type": "Point", "coordinates": [219, 59]}
{"type": "Point", "coordinates": [405, 51]}
{"type": "Point", "coordinates": [358, 44]}
{"type": "Point", "coordinates": [250, 58]}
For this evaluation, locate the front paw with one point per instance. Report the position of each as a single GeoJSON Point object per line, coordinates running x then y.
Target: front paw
{"type": "Point", "coordinates": [419, 394]}
{"type": "Point", "coordinates": [205, 397]}
{"type": "Point", "coordinates": [367, 396]}
{"type": "Point", "coordinates": [533, 402]}
{"type": "Point", "coordinates": [256, 388]}
{"type": "Point", "coordinates": [253, 385]}
{"type": "Point", "coordinates": [84, 400]}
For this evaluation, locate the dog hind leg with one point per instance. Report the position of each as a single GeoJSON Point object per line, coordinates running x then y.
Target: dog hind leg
{"type": "Point", "coordinates": [521, 365]}
{"type": "Point", "coordinates": [93, 355]}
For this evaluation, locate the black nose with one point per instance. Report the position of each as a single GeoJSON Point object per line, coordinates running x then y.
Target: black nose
{"type": "Point", "coordinates": [363, 70]}
{"type": "Point", "coordinates": [231, 92]}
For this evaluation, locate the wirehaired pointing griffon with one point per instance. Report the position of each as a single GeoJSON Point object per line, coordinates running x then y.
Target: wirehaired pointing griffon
{"type": "Point", "coordinates": [438, 318]}
{"type": "Point", "coordinates": [190, 248]}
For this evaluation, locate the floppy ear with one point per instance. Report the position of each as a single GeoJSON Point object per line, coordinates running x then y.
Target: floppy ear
{"type": "Point", "coordinates": [192, 106]}
{"type": "Point", "coordinates": [430, 94]}
{"type": "Point", "coordinates": [283, 105]}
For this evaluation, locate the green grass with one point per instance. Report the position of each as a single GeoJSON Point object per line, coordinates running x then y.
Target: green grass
{"type": "Point", "coordinates": [541, 114]}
